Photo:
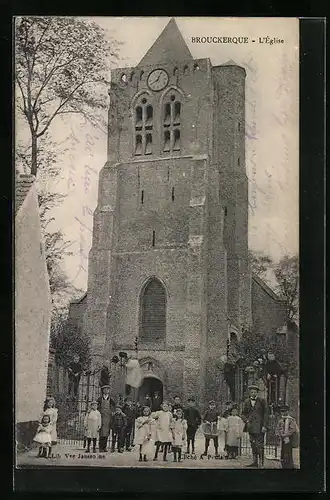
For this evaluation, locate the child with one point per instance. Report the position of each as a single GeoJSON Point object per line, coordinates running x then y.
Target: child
{"type": "Point", "coordinates": [130, 414]}
{"type": "Point", "coordinates": [210, 427]}
{"type": "Point", "coordinates": [43, 437]}
{"type": "Point", "coordinates": [193, 418]}
{"type": "Point", "coordinates": [179, 433]}
{"type": "Point", "coordinates": [287, 430]}
{"type": "Point", "coordinates": [118, 425]}
{"type": "Point", "coordinates": [92, 425]}
{"type": "Point", "coordinates": [144, 433]}
{"type": "Point", "coordinates": [235, 426]}
{"type": "Point", "coordinates": [164, 420]}
{"type": "Point", "coordinates": [51, 410]}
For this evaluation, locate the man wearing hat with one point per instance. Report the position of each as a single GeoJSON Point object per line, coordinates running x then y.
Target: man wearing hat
{"type": "Point", "coordinates": [287, 430]}
{"type": "Point", "coordinates": [106, 406]}
{"type": "Point", "coordinates": [255, 416]}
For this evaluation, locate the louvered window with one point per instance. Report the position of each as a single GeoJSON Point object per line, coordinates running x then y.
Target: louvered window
{"type": "Point", "coordinates": [153, 312]}
{"type": "Point", "coordinates": [143, 127]}
{"type": "Point", "coordinates": [171, 123]}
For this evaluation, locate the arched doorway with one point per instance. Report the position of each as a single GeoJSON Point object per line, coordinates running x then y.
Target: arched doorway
{"type": "Point", "coordinates": [150, 385]}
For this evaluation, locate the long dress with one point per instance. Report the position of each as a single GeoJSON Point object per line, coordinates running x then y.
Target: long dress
{"type": "Point", "coordinates": [222, 426]}
{"type": "Point", "coordinates": [234, 430]}
{"type": "Point", "coordinates": [53, 414]}
{"type": "Point", "coordinates": [92, 423]}
{"type": "Point", "coordinates": [163, 426]}
{"type": "Point", "coordinates": [144, 434]}
{"type": "Point", "coordinates": [43, 435]}
{"type": "Point", "coordinates": [179, 429]}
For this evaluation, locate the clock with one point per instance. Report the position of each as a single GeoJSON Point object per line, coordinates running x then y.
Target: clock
{"type": "Point", "coordinates": [158, 79]}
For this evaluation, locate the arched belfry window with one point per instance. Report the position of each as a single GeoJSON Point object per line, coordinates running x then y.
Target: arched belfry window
{"type": "Point", "coordinates": [153, 312]}
{"type": "Point", "coordinates": [143, 126]}
{"type": "Point", "coordinates": [172, 111]}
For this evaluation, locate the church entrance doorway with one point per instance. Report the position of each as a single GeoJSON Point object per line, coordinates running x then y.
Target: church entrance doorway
{"type": "Point", "coordinates": [150, 385]}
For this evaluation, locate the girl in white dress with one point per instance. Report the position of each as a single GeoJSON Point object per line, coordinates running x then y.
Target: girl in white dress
{"type": "Point", "coordinates": [51, 410]}
{"type": "Point", "coordinates": [179, 432]}
{"type": "Point", "coordinates": [43, 437]}
{"type": "Point", "coordinates": [92, 425]}
{"type": "Point", "coordinates": [144, 434]}
{"type": "Point", "coordinates": [234, 432]}
{"type": "Point", "coordinates": [164, 420]}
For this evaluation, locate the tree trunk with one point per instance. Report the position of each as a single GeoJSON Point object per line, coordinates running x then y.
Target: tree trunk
{"type": "Point", "coordinates": [34, 165]}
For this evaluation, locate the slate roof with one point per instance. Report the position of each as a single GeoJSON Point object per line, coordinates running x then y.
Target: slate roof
{"type": "Point", "coordinates": [169, 46]}
{"type": "Point", "coordinates": [266, 288]}
{"type": "Point", "coordinates": [23, 185]}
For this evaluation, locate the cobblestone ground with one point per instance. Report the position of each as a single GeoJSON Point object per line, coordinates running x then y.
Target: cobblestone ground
{"type": "Point", "coordinates": [64, 455]}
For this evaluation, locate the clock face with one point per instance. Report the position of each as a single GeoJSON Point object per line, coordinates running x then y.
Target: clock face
{"type": "Point", "coordinates": [158, 79]}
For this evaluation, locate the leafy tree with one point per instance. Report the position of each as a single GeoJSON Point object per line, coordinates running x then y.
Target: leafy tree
{"type": "Point", "coordinates": [287, 286]}
{"type": "Point", "coordinates": [282, 277]}
{"type": "Point", "coordinates": [61, 65]}
{"type": "Point", "coordinates": [261, 264]}
{"type": "Point", "coordinates": [68, 340]}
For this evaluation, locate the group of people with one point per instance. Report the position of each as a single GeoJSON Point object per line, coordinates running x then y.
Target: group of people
{"type": "Point", "coordinates": [158, 426]}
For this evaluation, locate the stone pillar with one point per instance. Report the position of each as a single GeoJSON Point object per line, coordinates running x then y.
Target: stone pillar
{"type": "Point", "coordinates": [196, 282]}
{"type": "Point", "coordinates": [100, 266]}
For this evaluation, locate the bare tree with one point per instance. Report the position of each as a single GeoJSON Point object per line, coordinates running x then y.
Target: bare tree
{"type": "Point", "coordinates": [260, 264]}
{"type": "Point", "coordinates": [61, 67]}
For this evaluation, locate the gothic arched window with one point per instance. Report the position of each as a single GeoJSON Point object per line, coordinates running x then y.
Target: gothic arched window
{"type": "Point", "coordinates": [143, 126]}
{"type": "Point", "coordinates": [153, 312]}
{"type": "Point", "coordinates": [172, 109]}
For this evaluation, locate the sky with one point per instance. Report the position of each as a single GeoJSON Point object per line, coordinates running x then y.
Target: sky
{"type": "Point", "coordinates": [272, 114]}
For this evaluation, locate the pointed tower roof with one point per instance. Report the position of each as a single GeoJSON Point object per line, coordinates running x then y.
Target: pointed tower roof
{"type": "Point", "coordinates": [169, 46]}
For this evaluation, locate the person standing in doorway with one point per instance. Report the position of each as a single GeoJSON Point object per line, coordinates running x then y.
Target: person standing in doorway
{"type": "Point", "coordinates": [255, 416]}
{"type": "Point", "coordinates": [193, 418]}
{"type": "Point", "coordinates": [147, 401]}
{"type": "Point", "coordinates": [106, 407]}
{"type": "Point", "coordinates": [156, 402]}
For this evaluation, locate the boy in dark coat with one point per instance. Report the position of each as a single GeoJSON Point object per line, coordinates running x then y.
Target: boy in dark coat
{"type": "Point", "coordinates": [130, 413]}
{"type": "Point", "coordinates": [255, 415]}
{"type": "Point", "coordinates": [193, 418]}
{"type": "Point", "coordinates": [118, 425]}
{"type": "Point", "coordinates": [211, 418]}
{"type": "Point", "coordinates": [287, 430]}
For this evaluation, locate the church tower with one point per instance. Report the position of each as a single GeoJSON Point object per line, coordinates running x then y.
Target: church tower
{"type": "Point", "coordinates": [169, 257]}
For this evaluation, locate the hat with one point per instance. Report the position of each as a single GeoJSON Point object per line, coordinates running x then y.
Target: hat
{"type": "Point", "coordinates": [191, 399]}
{"type": "Point", "coordinates": [212, 402]}
{"type": "Point", "coordinates": [227, 403]}
{"type": "Point", "coordinates": [105, 386]}
{"type": "Point", "coordinates": [94, 402]}
{"type": "Point", "coordinates": [234, 407]}
{"type": "Point", "coordinates": [283, 407]}
{"type": "Point", "coordinates": [253, 386]}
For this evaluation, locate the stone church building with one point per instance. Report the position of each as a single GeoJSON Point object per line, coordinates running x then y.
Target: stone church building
{"type": "Point", "coordinates": [169, 258]}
